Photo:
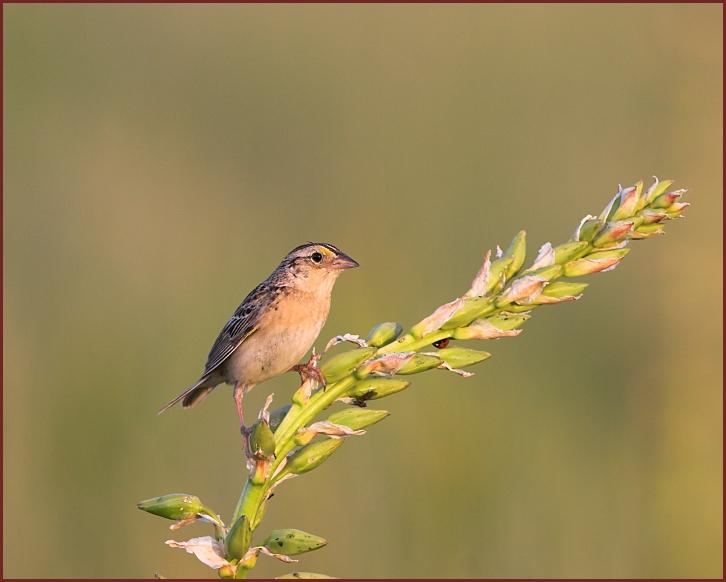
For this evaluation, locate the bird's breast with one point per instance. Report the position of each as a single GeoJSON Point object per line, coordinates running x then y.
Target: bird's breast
{"type": "Point", "coordinates": [285, 332]}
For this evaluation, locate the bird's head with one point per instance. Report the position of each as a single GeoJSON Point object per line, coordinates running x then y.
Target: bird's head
{"type": "Point", "coordinates": [316, 265]}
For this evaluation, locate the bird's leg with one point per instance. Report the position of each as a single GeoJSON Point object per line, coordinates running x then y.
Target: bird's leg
{"type": "Point", "coordinates": [239, 392]}
{"type": "Point", "coordinates": [310, 370]}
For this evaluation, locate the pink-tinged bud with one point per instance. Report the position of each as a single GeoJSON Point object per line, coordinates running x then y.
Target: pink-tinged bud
{"type": "Point", "coordinates": [483, 329]}
{"type": "Point", "coordinates": [438, 318]}
{"type": "Point", "coordinates": [595, 263]}
{"type": "Point", "coordinates": [675, 209]}
{"type": "Point", "coordinates": [545, 257]}
{"type": "Point", "coordinates": [629, 199]}
{"type": "Point", "coordinates": [667, 199]}
{"type": "Point", "coordinates": [523, 287]}
{"type": "Point", "coordinates": [385, 364]}
{"type": "Point", "coordinates": [471, 309]}
{"type": "Point", "coordinates": [479, 284]}
{"type": "Point", "coordinates": [613, 232]}
{"type": "Point", "coordinates": [652, 216]}
{"type": "Point", "coordinates": [657, 189]}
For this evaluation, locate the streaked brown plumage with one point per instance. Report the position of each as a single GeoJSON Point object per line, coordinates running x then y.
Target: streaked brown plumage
{"type": "Point", "coordinates": [274, 326]}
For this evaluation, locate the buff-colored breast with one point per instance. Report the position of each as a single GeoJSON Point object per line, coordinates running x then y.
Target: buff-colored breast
{"type": "Point", "coordinates": [284, 335]}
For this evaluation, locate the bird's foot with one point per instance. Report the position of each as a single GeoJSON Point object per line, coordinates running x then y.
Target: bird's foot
{"type": "Point", "coordinates": [310, 370]}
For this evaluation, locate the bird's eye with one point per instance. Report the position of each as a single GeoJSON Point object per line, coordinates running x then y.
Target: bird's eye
{"type": "Point", "coordinates": [316, 257]}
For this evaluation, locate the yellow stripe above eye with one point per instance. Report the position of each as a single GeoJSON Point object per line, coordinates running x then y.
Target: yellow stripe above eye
{"type": "Point", "coordinates": [325, 251]}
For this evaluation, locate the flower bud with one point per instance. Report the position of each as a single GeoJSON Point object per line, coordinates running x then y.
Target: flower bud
{"type": "Point", "coordinates": [383, 334]}
{"type": "Point", "coordinates": [517, 251]}
{"type": "Point", "coordinates": [548, 273]}
{"type": "Point", "coordinates": [595, 262]}
{"type": "Point", "coordinates": [588, 228]}
{"type": "Point", "coordinates": [560, 292]}
{"type": "Point", "coordinates": [665, 200]}
{"type": "Point", "coordinates": [498, 274]}
{"type": "Point", "coordinates": [305, 434]}
{"type": "Point", "coordinates": [629, 200]}
{"type": "Point", "coordinates": [652, 216]}
{"type": "Point", "coordinates": [472, 308]}
{"type": "Point", "coordinates": [226, 571]}
{"type": "Point", "coordinates": [523, 287]}
{"type": "Point", "coordinates": [312, 456]}
{"type": "Point", "coordinates": [374, 388]}
{"type": "Point", "coordinates": [343, 364]}
{"type": "Point", "coordinates": [291, 542]}
{"type": "Point", "coordinates": [568, 251]}
{"type": "Point", "coordinates": [492, 328]}
{"type": "Point", "coordinates": [506, 320]}
{"type": "Point", "coordinates": [237, 541]}
{"type": "Point", "coordinates": [656, 189]}
{"type": "Point", "coordinates": [386, 364]}
{"type": "Point", "coordinates": [613, 232]}
{"type": "Point", "coordinates": [462, 357]}
{"type": "Point", "coordinates": [262, 441]}
{"type": "Point", "coordinates": [675, 209]}
{"type": "Point", "coordinates": [478, 285]}
{"type": "Point", "coordinates": [641, 196]}
{"type": "Point", "coordinates": [247, 563]}
{"type": "Point", "coordinates": [648, 231]}
{"type": "Point", "coordinates": [560, 289]}
{"type": "Point", "coordinates": [357, 418]}
{"type": "Point", "coordinates": [175, 506]}
{"type": "Point", "coordinates": [420, 363]}
{"type": "Point", "coordinates": [438, 318]}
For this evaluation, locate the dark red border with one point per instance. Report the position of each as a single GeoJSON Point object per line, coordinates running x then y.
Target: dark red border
{"type": "Point", "coordinates": [2, 182]}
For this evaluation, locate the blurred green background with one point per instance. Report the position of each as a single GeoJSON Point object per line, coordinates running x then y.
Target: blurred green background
{"type": "Point", "coordinates": [160, 160]}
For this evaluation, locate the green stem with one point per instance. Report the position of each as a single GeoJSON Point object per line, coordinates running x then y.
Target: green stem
{"type": "Point", "coordinates": [253, 495]}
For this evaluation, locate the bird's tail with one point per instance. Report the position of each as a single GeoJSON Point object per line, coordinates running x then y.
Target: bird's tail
{"type": "Point", "coordinates": [191, 395]}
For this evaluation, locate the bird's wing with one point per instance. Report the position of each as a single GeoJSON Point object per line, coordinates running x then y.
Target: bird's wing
{"type": "Point", "coordinates": [241, 325]}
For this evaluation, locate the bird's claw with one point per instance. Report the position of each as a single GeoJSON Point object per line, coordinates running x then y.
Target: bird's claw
{"type": "Point", "coordinates": [310, 370]}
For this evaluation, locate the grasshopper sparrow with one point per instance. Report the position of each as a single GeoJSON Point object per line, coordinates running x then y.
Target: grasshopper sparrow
{"type": "Point", "coordinates": [274, 326]}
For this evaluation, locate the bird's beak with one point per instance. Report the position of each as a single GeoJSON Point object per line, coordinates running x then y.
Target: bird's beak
{"type": "Point", "coordinates": [343, 261]}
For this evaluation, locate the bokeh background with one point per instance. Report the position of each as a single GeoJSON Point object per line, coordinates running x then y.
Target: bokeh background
{"type": "Point", "coordinates": [160, 160]}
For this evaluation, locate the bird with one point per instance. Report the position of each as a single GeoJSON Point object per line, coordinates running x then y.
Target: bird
{"type": "Point", "coordinates": [274, 326]}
